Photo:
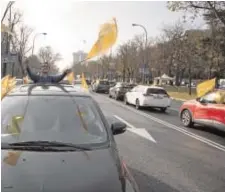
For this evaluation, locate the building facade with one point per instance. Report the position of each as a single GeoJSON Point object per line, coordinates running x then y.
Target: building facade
{"type": "Point", "coordinates": [79, 56]}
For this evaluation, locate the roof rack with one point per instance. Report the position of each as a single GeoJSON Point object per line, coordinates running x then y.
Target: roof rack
{"type": "Point", "coordinates": [33, 85]}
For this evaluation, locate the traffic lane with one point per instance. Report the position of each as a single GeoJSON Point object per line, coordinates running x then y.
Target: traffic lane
{"type": "Point", "coordinates": [171, 168]}
{"type": "Point", "coordinates": [175, 105]}
{"type": "Point", "coordinates": [175, 163]}
{"type": "Point", "coordinates": [172, 116]}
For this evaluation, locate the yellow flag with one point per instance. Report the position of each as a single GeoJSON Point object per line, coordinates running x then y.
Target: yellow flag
{"type": "Point", "coordinates": [15, 125]}
{"type": "Point", "coordinates": [8, 83]}
{"type": "Point", "coordinates": [205, 87]}
{"type": "Point", "coordinates": [106, 38]}
{"type": "Point", "coordinates": [5, 83]}
{"type": "Point", "coordinates": [83, 82]}
{"type": "Point", "coordinates": [12, 157]}
{"type": "Point", "coordinates": [70, 77]}
{"type": "Point", "coordinates": [12, 82]}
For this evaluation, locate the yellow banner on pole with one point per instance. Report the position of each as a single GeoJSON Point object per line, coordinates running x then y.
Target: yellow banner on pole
{"type": "Point", "coordinates": [205, 87]}
{"type": "Point", "coordinates": [106, 39]}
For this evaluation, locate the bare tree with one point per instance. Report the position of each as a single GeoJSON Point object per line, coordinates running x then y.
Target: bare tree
{"type": "Point", "coordinates": [46, 54]}
{"type": "Point", "coordinates": [216, 9]}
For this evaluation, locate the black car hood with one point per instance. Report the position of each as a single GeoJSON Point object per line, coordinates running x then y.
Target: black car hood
{"type": "Point", "coordinates": [61, 172]}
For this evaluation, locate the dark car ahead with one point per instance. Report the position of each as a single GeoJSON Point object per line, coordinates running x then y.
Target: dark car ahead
{"type": "Point", "coordinates": [101, 86]}
{"type": "Point", "coordinates": [55, 138]}
{"type": "Point", "coordinates": [119, 90]}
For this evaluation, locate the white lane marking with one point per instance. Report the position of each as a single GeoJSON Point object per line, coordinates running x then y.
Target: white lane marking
{"type": "Point", "coordinates": [169, 125]}
{"type": "Point", "coordinates": [139, 131]}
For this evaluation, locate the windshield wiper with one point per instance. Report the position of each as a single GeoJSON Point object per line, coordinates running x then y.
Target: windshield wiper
{"type": "Point", "coordinates": [49, 144]}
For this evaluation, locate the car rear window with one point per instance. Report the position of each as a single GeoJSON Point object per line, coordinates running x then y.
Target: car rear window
{"type": "Point", "coordinates": [156, 91]}
{"type": "Point", "coordinates": [53, 118]}
{"type": "Point", "coordinates": [104, 82]}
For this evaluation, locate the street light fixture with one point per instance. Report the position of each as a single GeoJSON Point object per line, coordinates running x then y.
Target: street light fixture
{"type": "Point", "coordinates": [146, 42]}
{"type": "Point", "coordinates": [35, 39]}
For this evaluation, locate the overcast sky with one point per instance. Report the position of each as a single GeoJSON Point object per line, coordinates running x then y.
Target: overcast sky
{"type": "Point", "coordinates": [67, 23]}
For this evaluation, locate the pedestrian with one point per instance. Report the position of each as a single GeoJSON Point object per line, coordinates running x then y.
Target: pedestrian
{"type": "Point", "coordinates": [44, 76]}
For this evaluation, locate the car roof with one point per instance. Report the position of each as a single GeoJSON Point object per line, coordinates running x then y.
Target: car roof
{"type": "Point", "coordinates": [48, 89]}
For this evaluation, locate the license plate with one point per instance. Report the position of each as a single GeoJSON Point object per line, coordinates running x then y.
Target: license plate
{"type": "Point", "coordinates": [158, 97]}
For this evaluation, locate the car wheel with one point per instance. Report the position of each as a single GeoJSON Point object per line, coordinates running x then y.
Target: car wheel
{"type": "Point", "coordinates": [125, 100]}
{"type": "Point", "coordinates": [163, 109]}
{"type": "Point", "coordinates": [137, 104]}
{"type": "Point", "coordinates": [110, 96]}
{"type": "Point", "coordinates": [186, 118]}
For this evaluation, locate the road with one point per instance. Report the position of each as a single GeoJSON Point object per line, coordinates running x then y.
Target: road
{"type": "Point", "coordinates": [163, 155]}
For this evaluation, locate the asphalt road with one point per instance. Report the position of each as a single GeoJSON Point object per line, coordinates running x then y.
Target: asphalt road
{"type": "Point", "coordinates": [163, 155]}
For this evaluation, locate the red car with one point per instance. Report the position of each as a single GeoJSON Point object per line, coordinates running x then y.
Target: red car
{"type": "Point", "coordinates": [208, 110]}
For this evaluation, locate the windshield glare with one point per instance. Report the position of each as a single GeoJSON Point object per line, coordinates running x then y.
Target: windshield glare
{"type": "Point", "coordinates": [51, 118]}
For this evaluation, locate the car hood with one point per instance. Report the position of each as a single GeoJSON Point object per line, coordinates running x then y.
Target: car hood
{"type": "Point", "coordinates": [193, 101]}
{"type": "Point", "coordinates": [61, 172]}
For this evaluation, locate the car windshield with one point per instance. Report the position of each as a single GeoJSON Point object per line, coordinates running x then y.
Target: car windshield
{"type": "Point", "coordinates": [51, 118]}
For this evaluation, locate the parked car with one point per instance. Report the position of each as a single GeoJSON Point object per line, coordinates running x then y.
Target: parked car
{"type": "Point", "coordinates": [208, 110]}
{"type": "Point", "coordinates": [112, 83]}
{"type": "Point", "coordinates": [119, 90]}
{"type": "Point", "coordinates": [43, 149]}
{"type": "Point", "coordinates": [101, 86]}
{"type": "Point", "coordinates": [88, 82]}
{"type": "Point", "coordinates": [148, 96]}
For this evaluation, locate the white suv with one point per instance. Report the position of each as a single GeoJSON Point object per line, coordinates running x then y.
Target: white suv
{"type": "Point", "coordinates": [148, 96]}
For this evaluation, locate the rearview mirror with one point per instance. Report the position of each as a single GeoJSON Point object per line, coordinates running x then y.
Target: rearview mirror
{"type": "Point", "coordinates": [118, 128]}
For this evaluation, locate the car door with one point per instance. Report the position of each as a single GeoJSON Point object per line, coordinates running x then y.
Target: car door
{"type": "Point", "coordinates": [202, 112]}
{"type": "Point", "coordinates": [111, 91]}
{"type": "Point", "coordinates": [217, 111]}
{"type": "Point", "coordinates": [131, 95]}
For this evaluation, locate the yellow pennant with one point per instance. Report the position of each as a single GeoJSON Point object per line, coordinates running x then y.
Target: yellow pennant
{"type": "Point", "coordinates": [70, 77]}
{"type": "Point", "coordinates": [12, 158]}
{"type": "Point", "coordinates": [5, 85]}
{"type": "Point", "coordinates": [205, 87]}
{"type": "Point", "coordinates": [106, 39]}
{"type": "Point", "coordinates": [84, 82]}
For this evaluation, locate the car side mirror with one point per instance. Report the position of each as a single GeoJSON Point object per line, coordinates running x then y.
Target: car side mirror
{"type": "Point", "coordinates": [202, 101]}
{"type": "Point", "coordinates": [118, 128]}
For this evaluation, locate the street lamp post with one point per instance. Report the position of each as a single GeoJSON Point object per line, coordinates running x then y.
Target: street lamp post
{"type": "Point", "coordinates": [35, 39]}
{"type": "Point", "coordinates": [146, 42]}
